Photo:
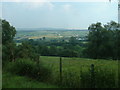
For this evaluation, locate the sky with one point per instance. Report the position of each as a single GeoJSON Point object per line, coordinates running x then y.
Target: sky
{"type": "Point", "coordinates": [75, 15]}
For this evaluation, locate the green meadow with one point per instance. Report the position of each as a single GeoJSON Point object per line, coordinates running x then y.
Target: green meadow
{"type": "Point", "coordinates": [76, 73]}
{"type": "Point", "coordinates": [77, 70]}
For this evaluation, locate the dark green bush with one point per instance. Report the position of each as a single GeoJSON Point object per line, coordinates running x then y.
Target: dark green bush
{"type": "Point", "coordinates": [29, 68]}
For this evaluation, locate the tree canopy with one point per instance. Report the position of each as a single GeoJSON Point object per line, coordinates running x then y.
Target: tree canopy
{"type": "Point", "coordinates": [104, 40]}
{"type": "Point", "coordinates": [8, 32]}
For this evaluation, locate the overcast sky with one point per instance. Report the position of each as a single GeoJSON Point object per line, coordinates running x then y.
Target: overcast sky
{"type": "Point", "coordinates": [58, 14]}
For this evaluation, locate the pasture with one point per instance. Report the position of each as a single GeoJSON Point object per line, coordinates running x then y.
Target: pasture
{"type": "Point", "coordinates": [76, 71]}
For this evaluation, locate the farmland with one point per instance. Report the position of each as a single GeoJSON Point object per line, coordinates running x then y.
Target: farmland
{"type": "Point", "coordinates": [76, 71]}
{"type": "Point", "coordinates": [60, 44]}
{"type": "Point", "coordinates": [50, 34]}
{"type": "Point", "coordinates": [70, 59]}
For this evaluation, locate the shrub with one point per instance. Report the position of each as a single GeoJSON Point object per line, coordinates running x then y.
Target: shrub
{"type": "Point", "coordinates": [29, 68]}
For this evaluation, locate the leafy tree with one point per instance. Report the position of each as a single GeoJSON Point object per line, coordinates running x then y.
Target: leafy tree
{"type": "Point", "coordinates": [73, 41]}
{"type": "Point", "coordinates": [45, 51]}
{"type": "Point", "coordinates": [26, 50]}
{"type": "Point", "coordinates": [68, 53]}
{"type": "Point", "coordinates": [114, 28]}
{"type": "Point", "coordinates": [44, 38]}
{"type": "Point", "coordinates": [103, 41]}
{"type": "Point", "coordinates": [94, 38]}
{"type": "Point", "coordinates": [53, 50]}
{"type": "Point", "coordinates": [8, 33]}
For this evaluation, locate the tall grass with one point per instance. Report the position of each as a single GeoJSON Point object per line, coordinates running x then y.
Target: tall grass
{"type": "Point", "coordinates": [26, 67]}
{"type": "Point", "coordinates": [103, 78]}
{"type": "Point", "coordinates": [76, 73]}
{"type": "Point", "coordinates": [15, 81]}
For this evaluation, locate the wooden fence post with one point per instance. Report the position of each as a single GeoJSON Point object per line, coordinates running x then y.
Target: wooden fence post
{"type": "Point", "coordinates": [60, 70]}
{"type": "Point", "coordinates": [92, 76]}
{"type": "Point", "coordinates": [38, 59]}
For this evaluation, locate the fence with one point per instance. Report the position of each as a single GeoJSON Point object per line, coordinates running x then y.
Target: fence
{"type": "Point", "coordinates": [89, 79]}
{"type": "Point", "coordinates": [76, 73]}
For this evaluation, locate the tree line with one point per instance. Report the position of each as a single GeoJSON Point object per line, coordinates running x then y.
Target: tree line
{"type": "Point", "coordinates": [103, 41]}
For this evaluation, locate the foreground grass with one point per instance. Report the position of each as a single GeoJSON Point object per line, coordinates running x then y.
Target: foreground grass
{"type": "Point", "coordinates": [73, 68]}
{"type": "Point", "coordinates": [75, 73]}
{"type": "Point", "coordinates": [76, 64]}
{"type": "Point", "coordinates": [14, 81]}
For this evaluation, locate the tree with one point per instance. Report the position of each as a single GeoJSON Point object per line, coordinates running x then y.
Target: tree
{"type": "Point", "coordinates": [26, 50]}
{"type": "Point", "coordinates": [103, 41]}
{"type": "Point", "coordinates": [53, 50]}
{"type": "Point", "coordinates": [8, 33]}
{"type": "Point", "coordinates": [117, 45]}
{"type": "Point", "coordinates": [45, 51]}
{"type": "Point", "coordinates": [94, 38]}
{"type": "Point", "coordinates": [44, 38]}
{"type": "Point", "coordinates": [114, 28]}
{"type": "Point", "coordinates": [73, 41]}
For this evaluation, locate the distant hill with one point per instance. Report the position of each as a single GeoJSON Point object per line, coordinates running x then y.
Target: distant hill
{"type": "Point", "coordinates": [37, 29]}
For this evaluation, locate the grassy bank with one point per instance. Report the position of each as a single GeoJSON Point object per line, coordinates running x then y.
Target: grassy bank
{"type": "Point", "coordinates": [15, 81]}
{"type": "Point", "coordinates": [76, 73]}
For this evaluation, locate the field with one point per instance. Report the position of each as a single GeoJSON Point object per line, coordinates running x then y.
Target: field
{"type": "Point", "coordinates": [77, 63]}
{"type": "Point", "coordinates": [50, 34]}
{"type": "Point", "coordinates": [15, 81]}
{"type": "Point", "coordinates": [72, 68]}
{"type": "Point", "coordinates": [75, 74]}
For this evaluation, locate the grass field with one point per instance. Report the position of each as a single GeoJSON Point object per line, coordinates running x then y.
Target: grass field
{"type": "Point", "coordinates": [77, 63]}
{"type": "Point", "coordinates": [75, 74]}
{"type": "Point", "coordinates": [71, 70]}
{"type": "Point", "coordinates": [15, 81]}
